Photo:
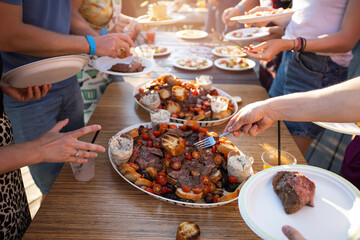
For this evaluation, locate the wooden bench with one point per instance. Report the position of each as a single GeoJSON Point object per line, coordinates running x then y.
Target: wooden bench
{"type": "Point", "coordinates": [327, 150]}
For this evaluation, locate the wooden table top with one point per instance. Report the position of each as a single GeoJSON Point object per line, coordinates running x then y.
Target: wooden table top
{"type": "Point", "coordinates": [199, 47]}
{"type": "Point", "coordinates": [107, 207]}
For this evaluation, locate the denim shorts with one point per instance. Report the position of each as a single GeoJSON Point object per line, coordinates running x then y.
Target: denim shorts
{"type": "Point", "coordinates": [301, 72]}
{"type": "Point", "coordinates": [33, 118]}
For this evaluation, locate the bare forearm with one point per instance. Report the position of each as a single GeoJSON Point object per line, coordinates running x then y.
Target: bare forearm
{"type": "Point", "coordinates": [35, 41]}
{"type": "Point", "coordinates": [17, 156]}
{"type": "Point", "coordinates": [249, 4]}
{"type": "Point", "coordinates": [338, 103]}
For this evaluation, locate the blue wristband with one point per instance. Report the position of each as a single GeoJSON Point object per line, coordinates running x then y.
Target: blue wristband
{"type": "Point", "coordinates": [103, 31]}
{"type": "Point", "coordinates": [92, 44]}
{"type": "Point", "coordinates": [242, 8]}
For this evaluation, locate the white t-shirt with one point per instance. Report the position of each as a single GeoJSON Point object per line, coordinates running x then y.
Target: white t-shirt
{"type": "Point", "coordinates": [313, 18]}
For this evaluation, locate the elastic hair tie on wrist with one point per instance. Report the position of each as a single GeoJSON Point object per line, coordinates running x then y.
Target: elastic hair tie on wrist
{"type": "Point", "coordinates": [103, 31]}
{"type": "Point", "coordinates": [242, 8]}
{"type": "Point", "coordinates": [92, 44]}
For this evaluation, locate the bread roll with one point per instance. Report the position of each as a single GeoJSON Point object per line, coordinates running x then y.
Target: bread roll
{"type": "Point", "coordinates": [173, 144]}
{"type": "Point", "coordinates": [188, 231]}
{"type": "Point", "coordinates": [189, 195]}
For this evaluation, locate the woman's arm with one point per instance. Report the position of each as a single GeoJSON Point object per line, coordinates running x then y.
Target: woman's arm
{"type": "Point", "coordinates": [339, 42]}
{"type": "Point", "coordinates": [79, 26]}
{"type": "Point", "coordinates": [52, 146]}
{"type": "Point", "coordinates": [337, 103]}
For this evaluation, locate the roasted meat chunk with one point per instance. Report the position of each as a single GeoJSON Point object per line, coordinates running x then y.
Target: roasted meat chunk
{"type": "Point", "coordinates": [295, 190]}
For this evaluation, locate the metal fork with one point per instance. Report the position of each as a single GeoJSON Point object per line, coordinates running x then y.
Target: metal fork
{"type": "Point", "coordinates": [210, 141]}
{"type": "Point", "coordinates": [128, 28]}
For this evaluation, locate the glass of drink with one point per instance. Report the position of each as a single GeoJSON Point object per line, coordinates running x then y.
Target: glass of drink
{"type": "Point", "coordinates": [150, 36]}
{"type": "Point", "coordinates": [84, 171]}
{"type": "Point", "coordinates": [270, 158]}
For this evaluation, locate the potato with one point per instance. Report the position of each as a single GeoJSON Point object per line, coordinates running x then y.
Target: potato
{"type": "Point", "coordinates": [173, 144]}
{"type": "Point", "coordinates": [124, 167]}
{"type": "Point", "coordinates": [152, 172]}
{"type": "Point", "coordinates": [179, 93]}
{"type": "Point", "coordinates": [142, 182]}
{"type": "Point", "coordinates": [173, 107]}
{"type": "Point", "coordinates": [132, 176]}
{"type": "Point", "coordinates": [165, 93]}
{"type": "Point", "coordinates": [222, 114]}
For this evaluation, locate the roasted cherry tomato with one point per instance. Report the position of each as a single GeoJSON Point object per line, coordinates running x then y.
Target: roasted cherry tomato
{"type": "Point", "coordinates": [195, 154]}
{"type": "Point", "coordinates": [198, 105]}
{"type": "Point", "coordinates": [176, 165]}
{"type": "Point", "coordinates": [204, 130]}
{"type": "Point", "coordinates": [183, 127]}
{"type": "Point", "coordinates": [163, 127]}
{"type": "Point", "coordinates": [215, 198]}
{"type": "Point", "coordinates": [134, 165]}
{"type": "Point", "coordinates": [197, 190]}
{"type": "Point", "coordinates": [168, 155]}
{"type": "Point", "coordinates": [156, 133]}
{"type": "Point", "coordinates": [206, 180]}
{"type": "Point", "coordinates": [167, 189]}
{"type": "Point", "coordinates": [206, 189]}
{"type": "Point", "coordinates": [173, 126]}
{"type": "Point", "coordinates": [185, 189]}
{"type": "Point", "coordinates": [166, 162]}
{"type": "Point", "coordinates": [174, 115]}
{"type": "Point", "coordinates": [149, 144]}
{"type": "Point", "coordinates": [194, 92]}
{"type": "Point", "coordinates": [188, 156]}
{"type": "Point", "coordinates": [206, 103]}
{"type": "Point", "coordinates": [212, 187]}
{"type": "Point", "coordinates": [157, 145]}
{"type": "Point", "coordinates": [161, 180]}
{"type": "Point", "coordinates": [232, 179]}
{"type": "Point", "coordinates": [150, 190]}
{"type": "Point", "coordinates": [218, 160]}
{"type": "Point", "coordinates": [152, 137]}
{"type": "Point", "coordinates": [195, 173]}
{"type": "Point", "coordinates": [191, 109]}
{"type": "Point", "coordinates": [195, 128]}
{"type": "Point", "coordinates": [213, 149]}
{"type": "Point", "coordinates": [145, 136]}
{"type": "Point", "coordinates": [157, 189]}
{"type": "Point", "coordinates": [203, 107]}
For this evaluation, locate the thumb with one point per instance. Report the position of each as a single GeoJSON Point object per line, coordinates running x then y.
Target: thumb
{"type": "Point", "coordinates": [59, 125]}
{"type": "Point", "coordinates": [291, 233]}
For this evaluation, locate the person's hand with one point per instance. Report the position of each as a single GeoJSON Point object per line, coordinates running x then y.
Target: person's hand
{"type": "Point", "coordinates": [62, 147]}
{"type": "Point", "coordinates": [275, 32]}
{"type": "Point", "coordinates": [26, 94]}
{"type": "Point", "coordinates": [248, 115]}
{"type": "Point", "coordinates": [269, 49]}
{"type": "Point", "coordinates": [254, 10]}
{"type": "Point", "coordinates": [121, 24]}
{"type": "Point", "coordinates": [229, 13]}
{"type": "Point", "coordinates": [112, 45]}
{"type": "Point", "coordinates": [291, 233]}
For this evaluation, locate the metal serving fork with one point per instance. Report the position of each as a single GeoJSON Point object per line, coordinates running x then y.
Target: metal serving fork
{"type": "Point", "coordinates": [210, 141]}
{"type": "Point", "coordinates": [128, 28]}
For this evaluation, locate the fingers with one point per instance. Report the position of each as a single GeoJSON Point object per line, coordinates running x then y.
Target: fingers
{"type": "Point", "coordinates": [45, 89]}
{"type": "Point", "coordinates": [81, 154]}
{"type": "Point", "coordinates": [291, 233]}
{"type": "Point", "coordinates": [59, 125]}
{"type": "Point", "coordinates": [85, 130]}
{"type": "Point", "coordinates": [257, 9]}
{"type": "Point", "coordinates": [85, 147]}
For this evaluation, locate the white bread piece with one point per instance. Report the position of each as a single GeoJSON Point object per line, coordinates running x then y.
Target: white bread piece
{"type": "Point", "coordinates": [142, 182]}
{"type": "Point", "coordinates": [165, 93]}
{"type": "Point", "coordinates": [189, 195]}
{"type": "Point", "coordinates": [188, 231]}
{"type": "Point", "coordinates": [226, 147]}
{"type": "Point", "coordinates": [216, 176]}
{"type": "Point", "coordinates": [173, 107]}
{"type": "Point", "coordinates": [223, 114]}
{"type": "Point", "coordinates": [179, 93]}
{"type": "Point", "coordinates": [173, 144]}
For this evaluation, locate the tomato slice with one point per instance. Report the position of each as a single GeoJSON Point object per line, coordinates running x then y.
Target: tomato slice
{"type": "Point", "coordinates": [232, 179]}
{"type": "Point", "coordinates": [213, 149]}
{"type": "Point", "coordinates": [212, 187]}
{"type": "Point", "coordinates": [166, 162]}
{"type": "Point", "coordinates": [173, 126]}
{"type": "Point", "coordinates": [183, 127]}
{"type": "Point", "coordinates": [218, 160]}
{"type": "Point", "coordinates": [157, 145]}
{"type": "Point", "coordinates": [206, 189]}
{"type": "Point", "coordinates": [156, 133]}
{"type": "Point", "coordinates": [197, 190]}
{"type": "Point", "coordinates": [145, 136]}
{"type": "Point", "coordinates": [157, 189]}
{"type": "Point", "coordinates": [195, 154]}
{"type": "Point", "coordinates": [185, 189]}
{"type": "Point", "coordinates": [204, 130]}
{"type": "Point", "coordinates": [161, 180]}
{"type": "Point", "coordinates": [206, 180]}
{"type": "Point", "coordinates": [176, 165]}
{"type": "Point", "coordinates": [150, 190]}
{"type": "Point", "coordinates": [195, 128]}
{"type": "Point", "coordinates": [215, 198]}
{"type": "Point", "coordinates": [188, 156]}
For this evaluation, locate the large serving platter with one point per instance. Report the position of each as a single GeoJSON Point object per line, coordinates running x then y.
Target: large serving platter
{"type": "Point", "coordinates": [266, 18]}
{"type": "Point", "coordinates": [335, 215]}
{"type": "Point", "coordinates": [103, 64]}
{"type": "Point", "coordinates": [200, 123]}
{"type": "Point", "coordinates": [46, 71]}
{"type": "Point", "coordinates": [176, 202]}
{"type": "Point", "coordinates": [346, 128]}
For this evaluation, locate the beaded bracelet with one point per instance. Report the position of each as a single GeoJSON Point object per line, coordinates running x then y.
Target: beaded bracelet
{"type": "Point", "coordinates": [92, 44]}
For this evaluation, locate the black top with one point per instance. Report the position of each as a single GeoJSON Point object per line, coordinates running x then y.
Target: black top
{"type": "Point", "coordinates": [1, 93]}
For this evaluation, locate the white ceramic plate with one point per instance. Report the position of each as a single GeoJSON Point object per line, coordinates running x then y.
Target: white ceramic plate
{"type": "Point", "coordinates": [267, 18]}
{"type": "Point", "coordinates": [335, 215]}
{"type": "Point", "coordinates": [227, 51]}
{"type": "Point", "coordinates": [167, 52]}
{"type": "Point", "coordinates": [180, 203]}
{"type": "Point", "coordinates": [347, 128]}
{"type": "Point", "coordinates": [191, 34]}
{"type": "Point", "coordinates": [209, 63]}
{"type": "Point", "coordinates": [251, 63]}
{"type": "Point", "coordinates": [200, 123]}
{"type": "Point", "coordinates": [247, 34]}
{"type": "Point", "coordinates": [103, 64]}
{"type": "Point", "coordinates": [47, 71]}
{"type": "Point", "coordinates": [174, 18]}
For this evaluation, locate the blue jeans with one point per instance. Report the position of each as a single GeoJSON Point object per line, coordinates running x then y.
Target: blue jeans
{"type": "Point", "coordinates": [33, 118]}
{"type": "Point", "coordinates": [301, 72]}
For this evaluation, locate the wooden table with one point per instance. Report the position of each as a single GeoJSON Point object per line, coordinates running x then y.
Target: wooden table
{"type": "Point", "coordinates": [107, 207]}
{"type": "Point", "coordinates": [199, 47]}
